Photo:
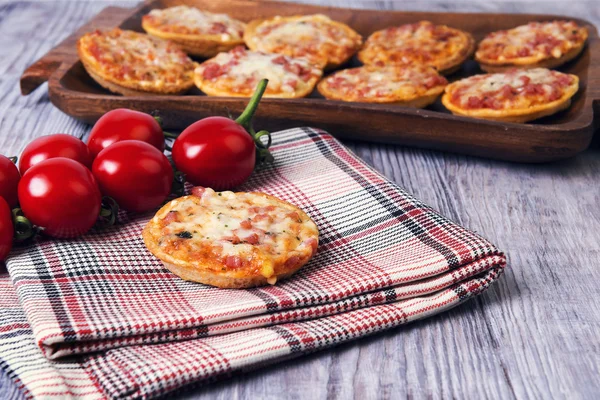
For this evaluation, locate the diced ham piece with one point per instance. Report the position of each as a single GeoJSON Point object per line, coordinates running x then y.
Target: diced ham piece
{"type": "Point", "coordinates": [252, 239]}
{"type": "Point", "coordinates": [293, 68]}
{"type": "Point", "coordinates": [293, 83]}
{"type": "Point", "coordinates": [233, 261]}
{"type": "Point", "coordinates": [262, 217]}
{"type": "Point", "coordinates": [474, 102]}
{"type": "Point", "coordinates": [211, 71]}
{"type": "Point", "coordinates": [233, 239]}
{"type": "Point", "coordinates": [198, 191]}
{"type": "Point", "coordinates": [281, 60]}
{"type": "Point", "coordinates": [507, 91]}
{"type": "Point", "coordinates": [565, 80]}
{"type": "Point", "coordinates": [218, 27]}
{"type": "Point", "coordinates": [290, 262]}
{"type": "Point", "coordinates": [172, 216]}
{"type": "Point", "coordinates": [246, 224]}
{"type": "Point", "coordinates": [293, 215]}
{"type": "Point", "coordinates": [525, 79]}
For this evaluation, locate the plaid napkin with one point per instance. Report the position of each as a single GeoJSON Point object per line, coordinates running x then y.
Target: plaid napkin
{"type": "Point", "coordinates": [135, 329]}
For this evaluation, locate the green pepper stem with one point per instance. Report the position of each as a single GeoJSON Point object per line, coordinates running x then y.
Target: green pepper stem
{"type": "Point", "coordinates": [246, 116]}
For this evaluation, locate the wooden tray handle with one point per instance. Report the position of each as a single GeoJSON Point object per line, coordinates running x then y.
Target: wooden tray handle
{"type": "Point", "coordinates": [594, 88]}
{"type": "Point", "coordinates": [39, 72]}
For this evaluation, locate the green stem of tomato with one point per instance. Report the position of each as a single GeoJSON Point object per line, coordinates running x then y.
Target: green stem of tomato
{"type": "Point", "coordinates": [13, 159]}
{"type": "Point", "coordinates": [23, 227]}
{"type": "Point", "coordinates": [109, 212]}
{"type": "Point", "coordinates": [170, 135]}
{"type": "Point", "coordinates": [245, 118]}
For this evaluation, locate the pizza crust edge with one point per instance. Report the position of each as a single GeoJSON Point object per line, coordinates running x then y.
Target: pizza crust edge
{"type": "Point", "coordinates": [415, 102]}
{"type": "Point", "coordinates": [529, 62]}
{"type": "Point", "coordinates": [216, 277]}
{"type": "Point", "coordinates": [126, 88]}
{"type": "Point", "coordinates": [520, 115]}
{"type": "Point", "coordinates": [197, 45]}
{"type": "Point", "coordinates": [365, 55]}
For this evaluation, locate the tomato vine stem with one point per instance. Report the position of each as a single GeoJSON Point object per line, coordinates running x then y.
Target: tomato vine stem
{"type": "Point", "coordinates": [246, 116]}
{"type": "Point", "coordinates": [245, 120]}
{"type": "Point", "coordinates": [23, 227]}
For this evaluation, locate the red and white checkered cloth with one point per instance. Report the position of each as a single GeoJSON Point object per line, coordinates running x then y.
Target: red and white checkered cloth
{"type": "Point", "coordinates": [136, 330]}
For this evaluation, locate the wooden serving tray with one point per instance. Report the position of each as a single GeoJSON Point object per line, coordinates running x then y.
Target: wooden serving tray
{"type": "Point", "coordinates": [556, 137]}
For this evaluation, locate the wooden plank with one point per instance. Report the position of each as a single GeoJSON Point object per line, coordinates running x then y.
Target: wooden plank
{"type": "Point", "coordinates": [533, 335]}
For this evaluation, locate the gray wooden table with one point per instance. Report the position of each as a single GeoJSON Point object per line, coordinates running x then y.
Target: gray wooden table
{"type": "Point", "coordinates": [536, 334]}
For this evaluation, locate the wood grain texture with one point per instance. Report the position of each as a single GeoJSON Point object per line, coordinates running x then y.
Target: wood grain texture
{"type": "Point", "coordinates": [534, 335]}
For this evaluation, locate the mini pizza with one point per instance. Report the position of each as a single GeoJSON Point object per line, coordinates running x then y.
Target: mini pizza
{"type": "Point", "coordinates": [416, 86]}
{"type": "Point", "coordinates": [513, 96]}
{"type": "Point", "coordinates": [132, 63]}
{"type": "Point", "coordinates": [237, 72]}
{"type": "Point", "coordinates": [325, 42]}
{"type": "Point", "coordinates": [537, 44]}
{"type": "Point", "coordinates": [199, 33]}
{"type": "Point", "coordinates": [421, 43]}
{"type": "Point", "coordinates": [231, 240]}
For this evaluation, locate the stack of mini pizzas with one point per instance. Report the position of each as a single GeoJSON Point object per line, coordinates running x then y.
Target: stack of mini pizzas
{"type": "Point", "coordinates": [404, 65]}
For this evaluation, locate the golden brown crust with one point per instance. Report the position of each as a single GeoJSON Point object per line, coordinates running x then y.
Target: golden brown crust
{"type": "Point", "coordinates": [498, 66]}
{"type": "Point", "coordinates": [419, 97]}
{"type": "Point", "coordinates": [122, 90]}
{"type": "Point", "coordinates": [206, 87]}
{"type": "Point", "coordinates": [378, 51]}
{"type": "Point", "coordinates": [204, 46]}
{"type": "Point", "coordinates": [568, 35]}
{"type": "Point", "coordinates": [213, 271]}
{"type": "Point", "coordinates": [519, 115]}
{"type": "Point", "coordinates": [105, 76]}
{"type": "Point", "coordinates": [255, 41]}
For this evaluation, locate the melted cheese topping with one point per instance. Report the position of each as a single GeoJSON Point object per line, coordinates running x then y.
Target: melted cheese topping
{"type": "Point", "coordinates": [240, 70]}
{"type": "Point", "coordinates": [516, 89]}
{"type": "Point", "coordinates": [191, 21]}
{"type": "Point", "coordinates": [371, 83]}
{"type": "Point", "coordinates": [419, 43]}
{"type": "Point", "coordinates": [315, 37]}
{"type": "Point", "coordinates": [536, 40]}
{"type": "Point", "coordinates": [244, 232]}
{"type": "Point", "coordinates": [131, 56]}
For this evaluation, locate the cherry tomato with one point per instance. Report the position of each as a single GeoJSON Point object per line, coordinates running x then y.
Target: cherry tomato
{"type": "Point", "coordinates": [6, 229]}
{"type": "Point", "coordinates": [61, 196]}
{"type": "Point", "coordinates": [52, 146]}
{"type": "Point", "coordinates": [9, 181]}
{"type": "Point", "coordinates": [215, 152]}
{"type": "Point", "coordinates": [218, 152]}
{"type": "Point", "coordinates": [135, 174]}
{"type": "Point", "coordinates": [123, 124]}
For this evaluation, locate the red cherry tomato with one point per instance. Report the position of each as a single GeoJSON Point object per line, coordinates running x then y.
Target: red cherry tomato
{"type": "Point", "coordinates": [6, 229]}
{"type": "Point", "coordinates": [61, 196]}
{"type": "Point", "coordinates": [215, 152]}
{"type": "Point", "coordinates": [135, 174]}
{"type": "Point", "coordinates": [52, 146]}
{"type": "Point", "coordinates": [123, 124]}
{"type": "Point", "coordinates": [9, 181]}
